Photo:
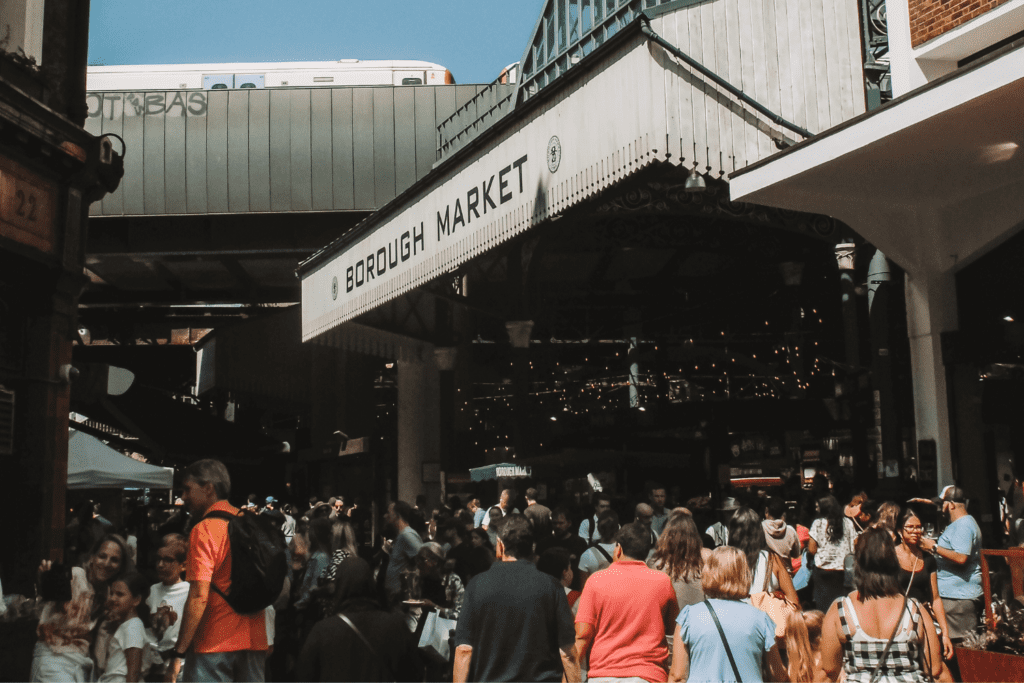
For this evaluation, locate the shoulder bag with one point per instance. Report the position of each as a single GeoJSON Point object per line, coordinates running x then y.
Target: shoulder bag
{"type": "Point", "coordinates": [728, 650]}
{"type": "Point", "coordinates": [774, 604]}
{"type": "Point", "coordinates": [885, 653]}
{"type": "Point", "coordinates": [388, 675]}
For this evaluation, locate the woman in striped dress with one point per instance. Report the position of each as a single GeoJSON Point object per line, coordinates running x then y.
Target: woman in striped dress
{"type": "Point", "coordinates": [858, 627]}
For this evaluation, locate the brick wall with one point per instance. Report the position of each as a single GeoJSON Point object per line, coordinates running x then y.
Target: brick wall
{"type": "Point", "coordinates": [931, 18]}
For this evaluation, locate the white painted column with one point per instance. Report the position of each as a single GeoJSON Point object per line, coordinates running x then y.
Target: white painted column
{"type": "Point", "coordinates": [931, 310]}
{"type": "Point", "coordinates": [419, 395]}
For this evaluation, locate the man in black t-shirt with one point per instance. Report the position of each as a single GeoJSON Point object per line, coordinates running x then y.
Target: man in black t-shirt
{"type": "Point", "coordinates": [539, 516]}
{"type": "Point", "coordinates": [563, 537]}
{"type": "Point", "coordinates": [515, 623]}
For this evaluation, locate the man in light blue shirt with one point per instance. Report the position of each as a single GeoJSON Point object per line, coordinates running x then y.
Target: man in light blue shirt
{"type": "Point", "coordinates": [478, 512]}
{"type": "Point", "coordinates": [660, 517]}
{"type": "Point", "coordinates": [588, 527]}
{"type": "Point", "coordinates": [958, 560]}
{"type": "Point", "coordinates": [404, 549]}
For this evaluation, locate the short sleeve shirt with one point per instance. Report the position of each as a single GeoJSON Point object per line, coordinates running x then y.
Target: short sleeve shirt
{"type": "Point", "coordinates": [209, 559]}
{"type": "Point", "coordinates": [960, 582]}
{"type": "Point", "coordinates": [832, 554]}
{"type": "Point", "coordinates": [593, 559]}
{"type": "Point", "coordinates": [588, 530]}
{"type": "Point", "coordinates": [130, 634]}
{"type": "Point", "coordinates": [630, 607]}
{"type": "Point", "coordinates": [516, 619]}
{"type": "Point", "coordinates": [750, 632]}
{"type": "Point", "coordinates": [406, 545]}
{"type": "Point", "coordinates": [174, 597]}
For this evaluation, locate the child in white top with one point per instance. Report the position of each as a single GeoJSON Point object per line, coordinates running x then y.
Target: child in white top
{"type": "Point", "coordinates": [166, 601]}
{"type": "Point", "coordinates": [126, 611]}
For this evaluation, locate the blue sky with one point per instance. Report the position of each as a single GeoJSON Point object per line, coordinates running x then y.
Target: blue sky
{"type": "Point", "coordinates": [475, 39]}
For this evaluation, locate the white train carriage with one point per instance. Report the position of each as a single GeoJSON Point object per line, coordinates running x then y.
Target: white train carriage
{"type": "Point", "coordinates": [266, 75]}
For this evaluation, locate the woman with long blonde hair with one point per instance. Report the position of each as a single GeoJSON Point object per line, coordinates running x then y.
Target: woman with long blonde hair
{"type": "Point", "coordinates": [803, 646]}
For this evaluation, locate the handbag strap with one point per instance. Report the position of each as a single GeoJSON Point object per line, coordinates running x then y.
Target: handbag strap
{"type": "Point", "coordinates": [885, 652]}
{"type": "Point", "coordinates": [373, 651]}
{"type": "Point", "coordinates": [728, 650]}
{"type": "Point", "coordinates": [768, 564]}
{"type": "Point", "coordinates": [910, 584]}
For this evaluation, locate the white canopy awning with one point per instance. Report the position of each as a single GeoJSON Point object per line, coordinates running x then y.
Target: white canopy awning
{"type": "Point", "coordinates": [94, 465]}
{"type": "Point", "coordinates": [933, 177]}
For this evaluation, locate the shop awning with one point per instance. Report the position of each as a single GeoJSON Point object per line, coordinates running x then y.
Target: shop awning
{"type": "Point", "coordinates": [950, 149]}
{"type": "Point", "coordinates": [94, 465]}
{"type": "Point", "coordinates": [503, 470]}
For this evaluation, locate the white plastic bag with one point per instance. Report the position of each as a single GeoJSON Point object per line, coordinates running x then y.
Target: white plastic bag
{"type": "Point", "coordinates": [435, 634]}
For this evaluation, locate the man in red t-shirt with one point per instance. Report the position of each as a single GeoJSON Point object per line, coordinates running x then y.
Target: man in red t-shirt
{"type": "Point", "coordinates": [217, 643]}
{"type": "Point", "coordinates": [625, 612]}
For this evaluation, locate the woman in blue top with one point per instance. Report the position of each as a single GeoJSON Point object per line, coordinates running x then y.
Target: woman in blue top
{"type": "Point", "coordinates": [699, 653]}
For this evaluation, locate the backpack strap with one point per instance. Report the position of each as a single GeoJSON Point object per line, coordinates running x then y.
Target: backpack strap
{"type": "Point", "coordinates": [227, 517]}
{"type": "Point", "coordinates": [590, 530]}
{"type": "Point", "coordinates": [603, 552]}
{"type": "Point", "coordinates": [219, 514]}
{"type": "Point", "coordinates": [728, 650]}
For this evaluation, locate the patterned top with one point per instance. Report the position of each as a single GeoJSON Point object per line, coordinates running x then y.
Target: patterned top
{"type": "Point", "coordinates": [327, 576]}
{"type": "Point", "coordinates": [863, 652]}
{"type": "Point", "coordinates": [831, 554]}
{"type": "Point", "coordinates": [66, 627]}
{"type": "Point", "coordinates": [453, 592]}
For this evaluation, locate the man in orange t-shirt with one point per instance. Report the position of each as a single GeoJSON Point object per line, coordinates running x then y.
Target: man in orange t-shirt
{"type": "Point", "coordinates": [625, 612]}
{"type": "Point", "coordinates": [217, 643]}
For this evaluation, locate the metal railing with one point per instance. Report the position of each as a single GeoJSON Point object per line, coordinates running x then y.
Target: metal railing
{"type": "Point", "coordinates": [569, 30]}
{"type": "Point", "coordinates": [481, 112]}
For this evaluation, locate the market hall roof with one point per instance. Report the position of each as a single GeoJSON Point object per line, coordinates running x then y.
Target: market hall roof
{"type": "Point", "coordinates": [627, 105]}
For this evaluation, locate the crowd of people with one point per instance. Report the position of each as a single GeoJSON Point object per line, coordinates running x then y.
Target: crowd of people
{"type": "Point", "coordinates": [760, 588]}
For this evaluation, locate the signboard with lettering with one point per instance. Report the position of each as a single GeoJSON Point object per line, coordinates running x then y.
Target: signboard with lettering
{"type": "Point", "coordinates": [540, 164]}
{"type": "Point", "coordinates": [501, 471]}
{"type": "Point", "coordinates": [27, 207]}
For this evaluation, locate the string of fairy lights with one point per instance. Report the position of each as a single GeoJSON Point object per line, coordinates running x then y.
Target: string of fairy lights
{"type": "Point", "coordinates": [572, 387]}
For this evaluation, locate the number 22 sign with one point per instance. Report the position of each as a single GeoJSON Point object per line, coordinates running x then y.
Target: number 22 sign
{"type": "Point", "coordinates": [26, 207]}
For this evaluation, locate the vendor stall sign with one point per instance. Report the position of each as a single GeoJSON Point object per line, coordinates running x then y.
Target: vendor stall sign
{"type": "Point", "coordinates": [501, 471]}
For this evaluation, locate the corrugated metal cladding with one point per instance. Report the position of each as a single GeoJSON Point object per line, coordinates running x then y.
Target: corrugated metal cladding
{"type": "Point", "coordinates": [281, 150]}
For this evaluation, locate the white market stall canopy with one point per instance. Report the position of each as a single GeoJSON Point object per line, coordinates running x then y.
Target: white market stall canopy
{"type": "Point", "coordinates": [94, 465]}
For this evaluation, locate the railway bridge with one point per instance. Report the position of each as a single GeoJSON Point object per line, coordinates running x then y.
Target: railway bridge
{"type": "Point", "coordinates": [226, 191]}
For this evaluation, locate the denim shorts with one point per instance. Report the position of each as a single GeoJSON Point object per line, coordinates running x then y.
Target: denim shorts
{"type": "Point", "coordinates": [240, 665]}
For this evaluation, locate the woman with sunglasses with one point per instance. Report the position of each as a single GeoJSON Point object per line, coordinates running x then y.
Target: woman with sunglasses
{"type": "Point", "coordinates": [918, 573]}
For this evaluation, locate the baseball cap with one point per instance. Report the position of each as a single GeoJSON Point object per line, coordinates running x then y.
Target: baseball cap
{"type": "Point", "coordinates": [271, 499]}
{"type": "Point", "coordinates": [951, 494]}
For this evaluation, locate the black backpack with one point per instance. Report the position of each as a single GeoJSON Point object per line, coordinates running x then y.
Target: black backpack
{"type": "Point", "coordinates": [258, 561]}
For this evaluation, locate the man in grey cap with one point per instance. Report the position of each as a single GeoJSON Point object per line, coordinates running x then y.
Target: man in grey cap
{"type": "Point", "coordinates": [958, 560]}
{"type": "Point", "coordinates": [719, 531]}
